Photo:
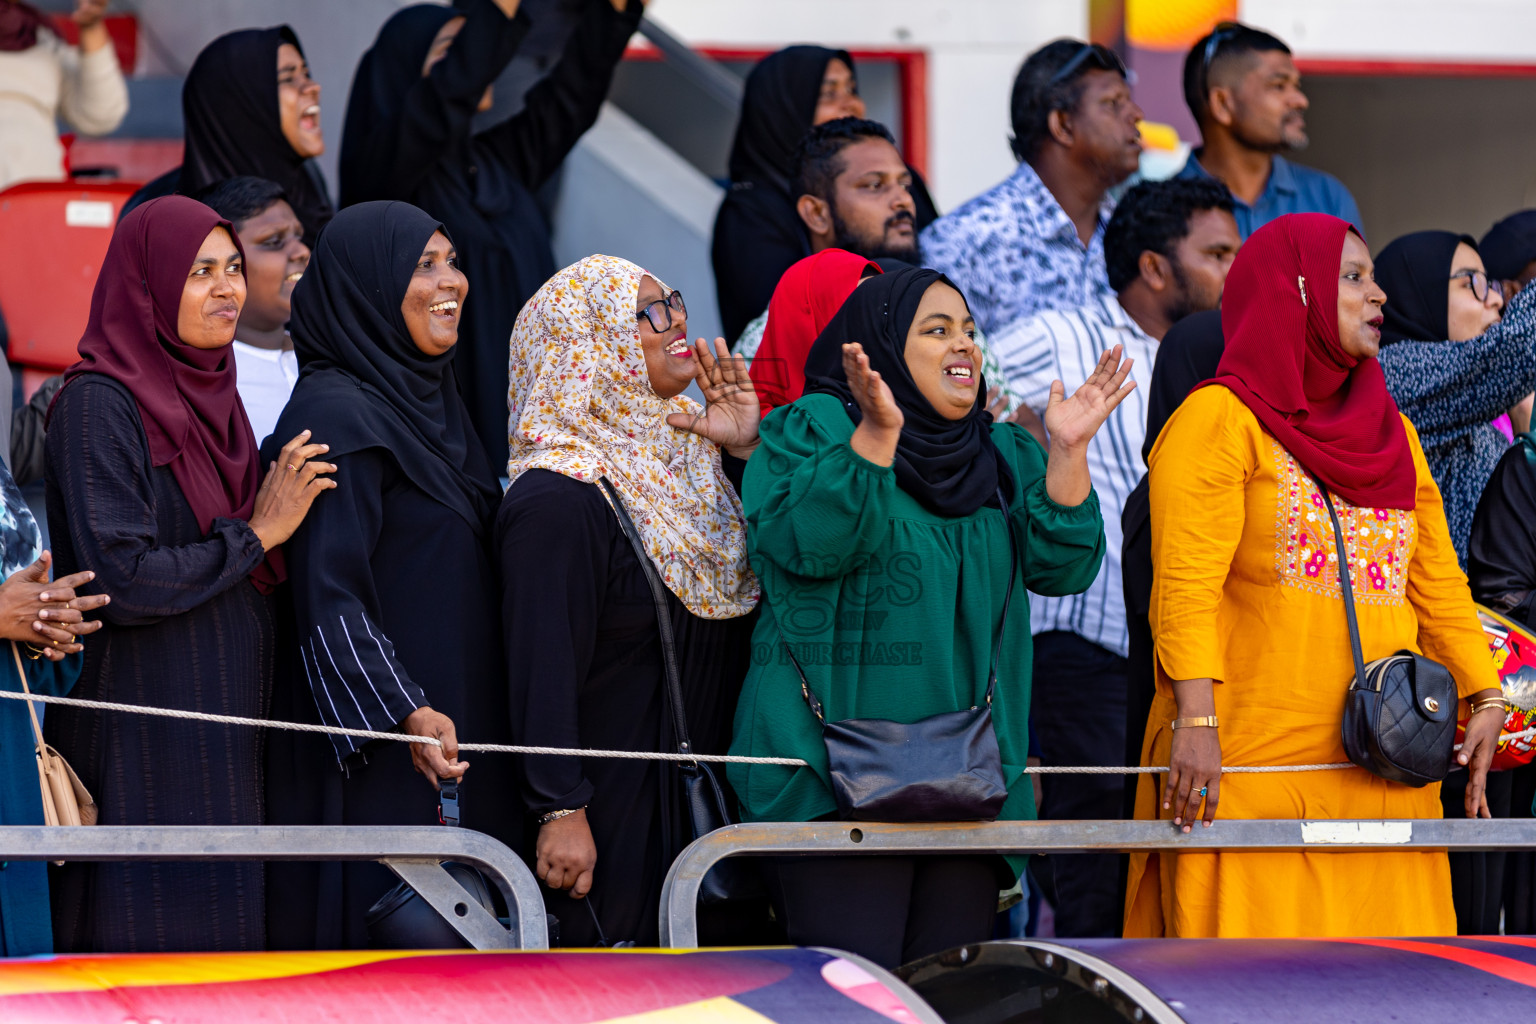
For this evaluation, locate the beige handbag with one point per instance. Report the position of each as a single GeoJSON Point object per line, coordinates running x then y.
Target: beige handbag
{"type": "Point", "coordinates": [65, 798]}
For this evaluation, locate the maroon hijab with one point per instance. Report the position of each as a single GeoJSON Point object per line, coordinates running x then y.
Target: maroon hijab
{"type": "Point", "coordinates": [1279, 311]}
{"type": "Point", "coordinates": [187, 400]}
{"type": "Point", "coordinates": [18, 26]}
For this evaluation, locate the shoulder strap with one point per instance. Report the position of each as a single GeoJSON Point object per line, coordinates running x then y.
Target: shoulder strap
{"type": "Point", "coordinates": [674, 689]}
{"type": "Point", "coordinates": [1344, 582]}
{"type": "Point", "coordinates": [997, 646]}
{"type": "Point", "coordinates": [21, 672]}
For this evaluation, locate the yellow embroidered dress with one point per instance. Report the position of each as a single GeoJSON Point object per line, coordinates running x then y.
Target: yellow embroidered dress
{"type": "Point", "coordinates": [1246, 592]}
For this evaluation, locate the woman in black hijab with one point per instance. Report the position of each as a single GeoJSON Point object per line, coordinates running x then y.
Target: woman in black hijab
{"type": "Point", "coordinates": [876, 530]}
{"type": "Point", "coordinates": [410, 135]}
{"type": "Point", "coordinates": [250, 107]}
{"type": "Point", "coordinates": [758, 234]}
{"type": "Point", "coordinates": [394, 583]}
{"type": "Point", "coordinates": [1455, 359]}
{"type": "Point", "coordinates": [1188, 354]}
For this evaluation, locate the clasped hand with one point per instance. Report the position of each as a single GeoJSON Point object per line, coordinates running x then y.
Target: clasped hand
{"type": "Point", "coordinates": [49, 616]}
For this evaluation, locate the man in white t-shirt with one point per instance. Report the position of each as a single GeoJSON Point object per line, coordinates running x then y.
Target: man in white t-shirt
{"type": "Point", "coordinates": [275, 257]}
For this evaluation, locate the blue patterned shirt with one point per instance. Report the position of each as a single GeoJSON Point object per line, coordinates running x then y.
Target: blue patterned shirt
{"type": "Point", "coordinates": [1065, 345]}
{"type": "Point", "coordinates": [1291, 188]}
{"type": "Point", "coordinates": [1015, 253]}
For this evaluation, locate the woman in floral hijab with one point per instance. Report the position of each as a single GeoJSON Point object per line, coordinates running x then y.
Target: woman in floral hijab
{"type": "Point", "coordinates": [599, 360]}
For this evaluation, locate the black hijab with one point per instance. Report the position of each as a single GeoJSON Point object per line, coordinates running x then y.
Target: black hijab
{"type": "Point", "coordinates": [384, 79]}
{"type": "Point", "coordinates": [1188, 355]}
{"type": "Point", "coordinates": [951, 466]}
{"type": "Point", "coordinates": [363, 383]}
{"type": "Point", "coordinates": [776, 111]}
{"type": "Point", "coordinates": [1415, 272]}
{"type": "Point", "coordinates": [233, 128]}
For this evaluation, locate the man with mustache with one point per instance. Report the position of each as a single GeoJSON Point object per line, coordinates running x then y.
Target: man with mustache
{"type": "Point", "coordinates": [1243, 88]}
{"type": "Point", "coordinates": [1036, 240]}
{"type": "Point", "coordinates": [854, 191]}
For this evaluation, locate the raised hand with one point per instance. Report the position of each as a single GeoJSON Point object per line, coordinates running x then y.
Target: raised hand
{"type": "Point", "coordinates": [879, 430]}
{"type": "Point", "coordinates": [1071, 422]}
{"type": "Point", "coordinates": [731, 411]}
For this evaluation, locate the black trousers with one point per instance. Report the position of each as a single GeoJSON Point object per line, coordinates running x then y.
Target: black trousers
{"type": "Point", "coordinates": [1477, 877]}
{"type": "Point", "coordinates": [891, 910]}
{"type": "Point", "coordinates": [1078, 713]}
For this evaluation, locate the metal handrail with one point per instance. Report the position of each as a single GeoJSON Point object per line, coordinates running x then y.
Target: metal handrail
{"type": "Point", "coordinates": [680, 892]}
{"type": "Point", "coordinates": [414, 853]}
{"type": "Point", "coordinates": [702, 71]}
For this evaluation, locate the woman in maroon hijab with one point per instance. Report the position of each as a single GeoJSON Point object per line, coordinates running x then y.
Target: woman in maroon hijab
{"type": "Point", "coordinates": [1252, 651]}
{"type": "Point", "coordinates": [154, 482]}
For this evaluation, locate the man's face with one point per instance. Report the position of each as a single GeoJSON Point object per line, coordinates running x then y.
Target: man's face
{"type": "Point", "coordinates": [871, 209]}
{"type": "Point", "coordinates": [1267, 107]}
{"type": "Point", "coordinates": [1200, 264]}
{"type": "Point", "coordinates": [1104, 132]}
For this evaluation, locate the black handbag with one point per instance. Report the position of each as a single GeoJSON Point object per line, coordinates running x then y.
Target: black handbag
{"type": "Point", "coordinates": [703, 796]}
{"type": "Point", "coordinates": [946, 767]}
{"type": "Point", "coordinates": [1400, 711]}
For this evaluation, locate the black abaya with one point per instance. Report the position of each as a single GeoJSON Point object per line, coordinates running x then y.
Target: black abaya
{"type": "Point", "coordinates": [585, 670]}
{"type": "Point", "coordinates": [410, 138]}
{"type": "Point", "coordinates": [185, 629]}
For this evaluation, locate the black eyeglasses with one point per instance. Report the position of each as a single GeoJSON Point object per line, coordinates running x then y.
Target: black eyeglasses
{"type": "Point", "coordinates": [1103, 56]}
{"type": "Point", "coordinates": [1223, 31]}
{"type": "Point", "coordinates": [1481, 284]}
{"type": "Point", "coordinates": [663, 308]}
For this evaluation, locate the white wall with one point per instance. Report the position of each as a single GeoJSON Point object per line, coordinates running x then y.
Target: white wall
{"type": "Point", "coordinates": [974, 48]}
{"type": "Point", "coordinates": [1449, 31]}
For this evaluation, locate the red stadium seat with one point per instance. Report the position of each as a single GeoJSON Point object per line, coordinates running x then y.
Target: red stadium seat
{"type": "Point", "coordinates": [53, 237]}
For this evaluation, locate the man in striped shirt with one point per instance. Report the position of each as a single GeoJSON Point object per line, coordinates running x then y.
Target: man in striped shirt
{"type": "Point", "coordinates": [1167, 250]}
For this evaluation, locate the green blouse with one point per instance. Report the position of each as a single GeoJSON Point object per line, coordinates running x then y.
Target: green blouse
{"type": "Point", "coordinates": [891, 610]}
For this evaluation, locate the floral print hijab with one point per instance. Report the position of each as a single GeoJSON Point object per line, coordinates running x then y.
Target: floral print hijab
{"type": "Point", "coordinates": [582, 406]}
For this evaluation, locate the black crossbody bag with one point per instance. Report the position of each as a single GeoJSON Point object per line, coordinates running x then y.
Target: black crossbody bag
{"type": "Point", "coordinates": [946, 767]}
{"type": "Point", "coordinates": [1400, 712]}
{"type": "Point", "coordinates": [707, 807]}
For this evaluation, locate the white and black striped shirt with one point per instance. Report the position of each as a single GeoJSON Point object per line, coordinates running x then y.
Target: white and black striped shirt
{"type": "Point", "coordinates": [1065, 345]}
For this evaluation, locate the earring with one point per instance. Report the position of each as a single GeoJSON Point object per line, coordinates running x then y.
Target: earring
{"type": "Point", "coordinates": [1301, 283]}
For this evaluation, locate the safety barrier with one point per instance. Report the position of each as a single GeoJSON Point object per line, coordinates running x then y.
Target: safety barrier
{"type": "Point", "coordinates": [414, 853]}
{"type": "Point", "coordinates": [680, 892]}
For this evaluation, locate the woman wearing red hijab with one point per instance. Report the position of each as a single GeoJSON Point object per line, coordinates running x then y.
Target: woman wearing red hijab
{"type": "Point", "coordinates": [1252, 648]}
{"type": "Point", "coordinates": [806, 297]}
{"type": "Point", "coordinates": [154, 482]}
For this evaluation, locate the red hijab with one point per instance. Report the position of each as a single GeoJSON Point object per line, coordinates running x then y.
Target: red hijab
{"type": "Point", "coordinates": [1279, 311]}
{"type": "Point", "coordinates": [807, 296]}
{"type": "Point", "coordinates": [188, 404]}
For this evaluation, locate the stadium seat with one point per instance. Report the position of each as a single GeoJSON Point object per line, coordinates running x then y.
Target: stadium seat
{"type": "Point", "coordinates": [53, 237]}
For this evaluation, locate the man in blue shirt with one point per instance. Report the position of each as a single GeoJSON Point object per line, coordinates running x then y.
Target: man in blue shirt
{"type": "Point", "coordinates": [1243, 88]}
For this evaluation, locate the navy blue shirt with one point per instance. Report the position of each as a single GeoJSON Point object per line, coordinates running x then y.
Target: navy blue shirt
{"type": "Point", "coordinates": [1291, 188]}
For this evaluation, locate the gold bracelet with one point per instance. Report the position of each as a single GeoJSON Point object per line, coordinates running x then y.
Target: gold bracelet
{"type": "Point", "coordinates": [1490, 702]}
{"type": "Point", "coordinates": [545, 819]}
{"type": "Point", "coordinates": [37, 652]}
{"type": "Point", "coordinates": [1190, 723]}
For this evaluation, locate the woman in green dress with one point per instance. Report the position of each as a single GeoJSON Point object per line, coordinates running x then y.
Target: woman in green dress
{"type": "Point", "coordinates": [874, 525]}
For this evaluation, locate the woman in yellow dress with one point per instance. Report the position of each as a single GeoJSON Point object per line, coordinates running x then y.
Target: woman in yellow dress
{"type": "Point", "coordinates": [1248, 614]}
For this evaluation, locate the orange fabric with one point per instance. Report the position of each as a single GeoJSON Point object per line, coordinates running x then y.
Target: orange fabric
{"type": "Point", "coordinates": [1246, 593]}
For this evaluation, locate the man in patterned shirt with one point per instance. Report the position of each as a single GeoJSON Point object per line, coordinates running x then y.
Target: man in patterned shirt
{"type": "Point", "coordinates": [1168, 248]}
{"type": "Point", "coordinates": [1036, 241]}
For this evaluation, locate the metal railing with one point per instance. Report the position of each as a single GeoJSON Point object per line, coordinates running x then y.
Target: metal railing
{"type": "Point", "coordinates": [414, 853]}
{"type": "Point", "coordinates": [680, 892]}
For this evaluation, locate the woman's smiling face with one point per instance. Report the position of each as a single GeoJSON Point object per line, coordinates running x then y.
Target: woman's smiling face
{"type": "Point", "coordinates": [941, 352]}
{"type": "Point", "coordinates": [669, 359]}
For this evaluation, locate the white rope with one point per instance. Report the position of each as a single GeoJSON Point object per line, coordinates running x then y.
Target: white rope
{"type": "Point", "coordinates": [634, 755]}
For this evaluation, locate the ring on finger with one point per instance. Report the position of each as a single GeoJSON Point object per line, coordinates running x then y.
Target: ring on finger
{"type": "Point", "coordinates": [293, 467]}
{"type": "Point", "coordinates": [1203, 790]}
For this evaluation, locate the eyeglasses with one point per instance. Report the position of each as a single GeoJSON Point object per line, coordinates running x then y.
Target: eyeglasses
{"type": "Point", "coordinates": [1223, 31]}
{"type": "Point", "coordinates": [1481, 284]}
{"type": "Point", "coordinates": [1105, 58]}
{"type": "Point", "coordinates": [659, 313]}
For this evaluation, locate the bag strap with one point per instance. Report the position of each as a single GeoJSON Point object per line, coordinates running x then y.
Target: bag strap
{"type": "Point", "coordinates": [997, 646]}
{"type": "Point", "coordinates": [674, 690]}
{"type": "Point", "coordinates": [1344, 583]}
{"type": "Point", "coordinates": [21, 671]}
